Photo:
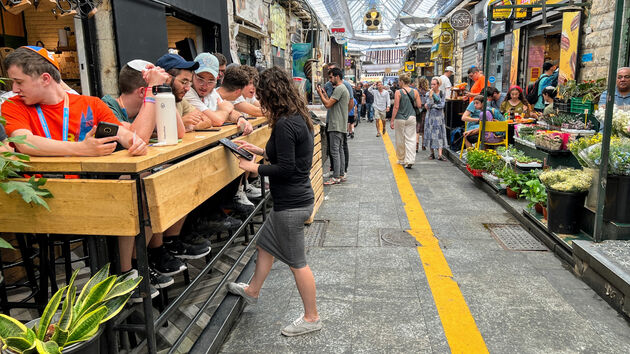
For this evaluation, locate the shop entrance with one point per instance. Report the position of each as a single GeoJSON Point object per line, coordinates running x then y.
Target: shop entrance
{"type": "Point", "coordinates": [542, 48]}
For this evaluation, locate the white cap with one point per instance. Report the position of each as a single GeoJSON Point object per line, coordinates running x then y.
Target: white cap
{"type": "Point", "coordinates": [138, 64]}
{"type": "Point", "coordinates": [450, 68]}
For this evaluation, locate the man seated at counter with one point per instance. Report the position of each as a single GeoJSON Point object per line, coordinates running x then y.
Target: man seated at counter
{"type": "Point", "coordinates": [204, 97]}
{"type": "Point", "coordinates": [234, 81]}
{"type": "Point", "coordinates": [247, 102]}
{"type": "Point", "coordinates": [55, 122]}
{"type": "Point", "coordinates": [472, 116]}
{"type": "Point", "coordinates": [622, 91]}
{"type": "Point", "coordinates": [134, 82]}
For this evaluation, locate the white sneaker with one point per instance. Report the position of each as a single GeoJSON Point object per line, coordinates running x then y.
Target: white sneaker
{"type": "Point", "coordinates": [241, 197]}
{"type": "Point", "coordinates": [253, 192]}
{"type": "Point", "coordinates": [328, 174]}
{"type": "Point", "coordinates": [301, 326]}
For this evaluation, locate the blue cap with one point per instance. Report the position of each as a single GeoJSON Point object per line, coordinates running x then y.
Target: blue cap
{"type": "Point", "coordinates": [208, 63]}
{"type": "Point", "coordinates": [174, 61]}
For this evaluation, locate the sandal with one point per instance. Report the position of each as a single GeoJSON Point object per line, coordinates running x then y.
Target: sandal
{"type": "Point", "coordinates": [441, 158]}
{"type": "Point", "coordinates": [332, 181]}
{"type": "Point", "coordinates": [432, 157]}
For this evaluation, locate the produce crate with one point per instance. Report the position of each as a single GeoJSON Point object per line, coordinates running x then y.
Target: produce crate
{"type": "Point", "coordinates": [562, 106]}
{"type": "Point", "coordinates": [577, 106]}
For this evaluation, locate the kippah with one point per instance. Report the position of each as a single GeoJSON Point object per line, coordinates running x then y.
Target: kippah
{"type": "Point", "coordinates": [44, 53]}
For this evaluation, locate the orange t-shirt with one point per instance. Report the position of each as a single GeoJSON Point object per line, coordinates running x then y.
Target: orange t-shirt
{"type": "Point", "coordinates": [85, 112]}
{"type": "Point", "coordinates": [478, 86]}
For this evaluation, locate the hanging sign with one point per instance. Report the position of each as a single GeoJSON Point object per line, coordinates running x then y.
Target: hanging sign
{"type": "Point", "coordinates": [410, 66]}
{"type": "Point", "coordinates": [509, 14]}
{"type": "Point", "coordinates": [516, 43]}
{"type": "Point", "coordinates": [461, 19]}
{"type": "Point", "coordinates": [569, 46]}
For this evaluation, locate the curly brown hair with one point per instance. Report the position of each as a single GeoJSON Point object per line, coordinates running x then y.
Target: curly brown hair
{"type": "Point", "coordinates": [251, 72]}
{"type": "Point", "coordinates": [279, 97]}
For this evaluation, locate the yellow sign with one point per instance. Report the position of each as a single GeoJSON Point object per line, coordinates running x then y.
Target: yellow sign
{"type": "Point", "coordinates": [502, 14]}
{"type": "Point", "coordinates": [442, 41]}
{"type": "Point", "coordinates": [568, 46]}
{"type": "Point", "coordinates": [516, 43]}
{"type": "Point", "coordinates": [410, 66]}
{"type": "Point", "coordinates": [279, 22]}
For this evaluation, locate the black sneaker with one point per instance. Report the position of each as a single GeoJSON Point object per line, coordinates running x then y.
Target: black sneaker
{"type": "Point", "coordinates": [161, 260]}
{"type": "Point", "coordinates": [196, 239]}
{"type": "Point", "coordinates": [184, 250]}
{"type": "Point", "coordinates": [135, 296]}
{"type": "Point", "coordinates": [160, 281]}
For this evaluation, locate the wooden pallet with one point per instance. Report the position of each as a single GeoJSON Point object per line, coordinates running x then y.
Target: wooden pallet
{"type": "Point", "coordinates": [317, 180]}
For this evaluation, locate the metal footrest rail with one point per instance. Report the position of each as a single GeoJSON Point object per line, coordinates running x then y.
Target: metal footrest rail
{"type": "Point", "coordinates": [175, 304]}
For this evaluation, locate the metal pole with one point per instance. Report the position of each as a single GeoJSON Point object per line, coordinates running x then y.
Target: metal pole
{"type": "Point", "coordinates": [486, 69]}
{"type": "Point", "coordinates": [598, 229]}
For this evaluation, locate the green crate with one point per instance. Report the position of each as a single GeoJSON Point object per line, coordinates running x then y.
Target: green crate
{"type": "Point", "coordinates": [577, 106]}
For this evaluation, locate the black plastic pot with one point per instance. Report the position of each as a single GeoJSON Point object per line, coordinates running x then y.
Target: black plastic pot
{"type": "Point", "coordinates": [91, 346]}
{"type": "Point", "coordinates": [617, 207]}
{"type": "Point", "coordinates": [564, 210]}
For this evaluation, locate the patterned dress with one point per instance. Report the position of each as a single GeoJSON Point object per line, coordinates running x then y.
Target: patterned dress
{"type": "Point", "coordinates": [434, 127]}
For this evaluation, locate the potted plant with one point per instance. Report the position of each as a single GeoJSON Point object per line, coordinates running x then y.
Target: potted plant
{"type": "Point", "coordinates": [77, 324]}
{"type": "Point", "coordinates": [534, 191]}
{"type": "Point", "coordinates": [512, 180]}
{"type": "Point", "coordinates": [566, 191]}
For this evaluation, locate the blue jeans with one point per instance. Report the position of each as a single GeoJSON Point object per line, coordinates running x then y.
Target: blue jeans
{"type": "Point", "coordinates": [369, 111]}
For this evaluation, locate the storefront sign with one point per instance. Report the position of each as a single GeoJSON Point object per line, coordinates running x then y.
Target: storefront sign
{"type": "Point", "coordinates": [279, 23]}
{"type": "Point", "coordinates": [511, 14]}
{"type": "Point", "coordinates": [410, 66]}
{"type": "Point", "coordinates": [516, 43]}
{"type": "Point", "coordinates": [250, 11]}
{"type": "Point", "coordinates": [461, 19]}
{"type": "Point", "coordinates": [442, 41]}
{"type": "Point", "coordinates": [569, 45]}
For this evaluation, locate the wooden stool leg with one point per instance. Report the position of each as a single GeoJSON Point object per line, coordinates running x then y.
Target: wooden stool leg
{"type": "Point", "coordinates": [67, 259]}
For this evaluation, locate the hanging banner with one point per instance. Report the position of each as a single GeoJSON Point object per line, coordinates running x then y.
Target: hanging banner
{"type": "Point", "coordinates": [569, 45]}
{"type": "Point", "coordinates": [301, 53]}
{"type": "Point", "coordinates": [279, 23]}
{"type": "Point", "coordinates": [443, 35]}
{"type": "Point", "coordinates": [250, 11]}
{"type": "Point", "coordinates": [516, 43]}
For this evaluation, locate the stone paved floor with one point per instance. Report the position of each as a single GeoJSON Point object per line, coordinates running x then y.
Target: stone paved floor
{"type": "Point", "coordinates": [376, 299]}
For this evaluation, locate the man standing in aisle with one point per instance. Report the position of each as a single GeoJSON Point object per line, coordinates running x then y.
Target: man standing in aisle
{"type": "Point", "coordinates": [381, 107]}
{"type": "Point", "coordinates": [480, 81]}
{"type": "Point", "coordinates": [622, 92]}
{"type": "Point", "coordinates": [337, 105]}
{"type": "Point", "coordinates": [329, 87]}
{"type": "Point", "coordinates": [369, 101]}
{"type": "Point", "coordinates": [543, 81]}
{"type": "Point", "coordinates": [446, 85]}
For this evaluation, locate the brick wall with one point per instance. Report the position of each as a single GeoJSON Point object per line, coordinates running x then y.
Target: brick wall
{"type": "Point", "coordinates": [178, 30]}
{"type": "Point", "coordinates": [597, 31]}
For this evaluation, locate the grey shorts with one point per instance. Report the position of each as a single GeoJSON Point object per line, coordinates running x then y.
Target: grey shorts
{"type": "Point", "coordinates": [282, 235]}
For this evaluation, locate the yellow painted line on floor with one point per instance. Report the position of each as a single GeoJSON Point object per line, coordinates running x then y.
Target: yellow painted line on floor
{"type": "Point", "coordinates": [460, 328]}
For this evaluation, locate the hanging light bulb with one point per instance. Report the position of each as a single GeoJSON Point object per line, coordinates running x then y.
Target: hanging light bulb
{"type": "Point", "coordinates": [544, 25]}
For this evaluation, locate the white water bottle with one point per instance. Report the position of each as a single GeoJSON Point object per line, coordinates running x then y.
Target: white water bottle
{"type": "Point", "coordinates": [165, 115]}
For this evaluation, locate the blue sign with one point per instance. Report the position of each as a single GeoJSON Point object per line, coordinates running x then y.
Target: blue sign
{"type": "Point", "coordinates": [587, 57]}
{"type": "Point", "coordinates": [492, 79]}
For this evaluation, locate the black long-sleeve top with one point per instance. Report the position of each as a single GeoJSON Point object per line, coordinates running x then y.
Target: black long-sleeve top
{"type": "Point", "coordinates": [290, 152]}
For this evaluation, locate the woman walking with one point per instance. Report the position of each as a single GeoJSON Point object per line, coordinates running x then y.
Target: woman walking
{"type": "Point", "coordinates": [290, 154]}
{"type": "Point", "coordinates": [404, 121]}
{"type": "Point", "coordinates": [434, 128]}
{"type": "Point", "coordinates": [423, 87]}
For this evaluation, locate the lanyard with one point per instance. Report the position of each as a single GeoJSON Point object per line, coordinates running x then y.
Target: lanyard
{"type": "Point", "coordinates": [66, 118]}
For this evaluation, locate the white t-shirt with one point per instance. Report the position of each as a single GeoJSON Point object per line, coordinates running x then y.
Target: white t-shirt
{"type": "Point", "coordinates": [240, 99]}
{"type": "Point", "coordinates": [446, 86]}
{"type": "Point", "coordinates": [209, 102]}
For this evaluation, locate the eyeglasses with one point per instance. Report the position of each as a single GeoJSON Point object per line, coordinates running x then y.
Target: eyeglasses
{"type": "Point", "coordinates": [203, 82]}
{"type": "Point", "coordinates": [619, 77]}
{"type": "Point", "coordinates": [185, 82]}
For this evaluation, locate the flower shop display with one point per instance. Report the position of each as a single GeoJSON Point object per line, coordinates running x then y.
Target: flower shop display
{"type": "Point", "coordinates": [481, 160]}
{"type": "Point", "coordinates": [566, 191]}
{"type": "Point", "coordinates": [620, 121]}
{"type": "Point", "coordinates": [552, 140]}
{"type": "Point", "coordinates": [582, 92]}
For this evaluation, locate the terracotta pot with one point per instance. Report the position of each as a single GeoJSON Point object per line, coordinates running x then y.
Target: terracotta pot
{"type": "Point", "coordinates": [511, 194]}
{"type": "Point", "coordinates": [539, 208]}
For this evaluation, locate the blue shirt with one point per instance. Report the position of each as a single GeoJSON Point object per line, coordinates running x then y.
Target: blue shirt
{"type": "Point", "coordinates": [3, 134]}
{"type": "Point", "coordinates": [619, 99]}
{"type": "Point", "coordinates": [351, 113]}
{"type": "Point", "coordinates": [544, 82]}
{"type": "Point", "coordinates": [475, 113]}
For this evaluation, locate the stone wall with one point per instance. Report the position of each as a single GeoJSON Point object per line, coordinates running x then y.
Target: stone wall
{"type": "Point", "coordinates": [597, 33]}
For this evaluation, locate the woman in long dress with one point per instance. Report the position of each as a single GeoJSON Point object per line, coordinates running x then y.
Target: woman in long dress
{"type": "Point", "coordinates": [434, 128]}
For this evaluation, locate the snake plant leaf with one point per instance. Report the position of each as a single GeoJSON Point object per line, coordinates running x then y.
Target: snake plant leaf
{"type": "Point", "coordinates": [123, 288]}
{"type": "Point", "coordinates": [87, 326]}
{"type": "Point", "coordinates": [66, 309]}
{"type": "Point", "coordinates": [10, 327]}
{"type": "Point", "coordinates": [97, 294]}
{"type": "Point", "coordinates": [48, 313]}
{"type": "Point", "coordinates": [95, 279]}
{"type": "Point", "coordinates": [49, 347]}
{"type": "Point", "coordinates": [19, 344]}
{"type": "Point", "coordinates": [114, 306]}
{"type": "Point", "coordinates": [60, 336]}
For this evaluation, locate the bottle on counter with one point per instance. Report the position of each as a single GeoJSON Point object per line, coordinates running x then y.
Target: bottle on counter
{"type": "Point", "coordinates": [165, 116]}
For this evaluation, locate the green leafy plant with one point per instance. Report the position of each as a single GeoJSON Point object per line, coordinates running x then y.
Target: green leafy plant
{"type": "Point", "coordinates": [101, 298]}
{"type": "Point", "coordinates": [482, 159]}
{"type": "Point", "coordinates": [589, 90]}
{"type": "Point", "coordinates": [535, 192]}
{"type": "Point", "coordinates": [566, 180]}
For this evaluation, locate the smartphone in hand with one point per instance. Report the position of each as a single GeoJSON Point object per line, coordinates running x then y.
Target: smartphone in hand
{"type": "Point", "coordinates": [105, 130]}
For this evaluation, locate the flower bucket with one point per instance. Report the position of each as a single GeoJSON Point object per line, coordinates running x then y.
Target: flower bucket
{"type": "Point", "coordinates": [475, 173]}
{"type": "Point", "coordinates": [511, 193]}
{"type": "Point", "coordinates": [564, 209]}
{"type": "Point", "coordinates": [617, 207]}
{"type": "Point", "coordinates": [591, 198]}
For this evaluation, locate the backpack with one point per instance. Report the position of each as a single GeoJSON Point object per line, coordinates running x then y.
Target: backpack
{"type": "Point", "coordinates": [532, 90]}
